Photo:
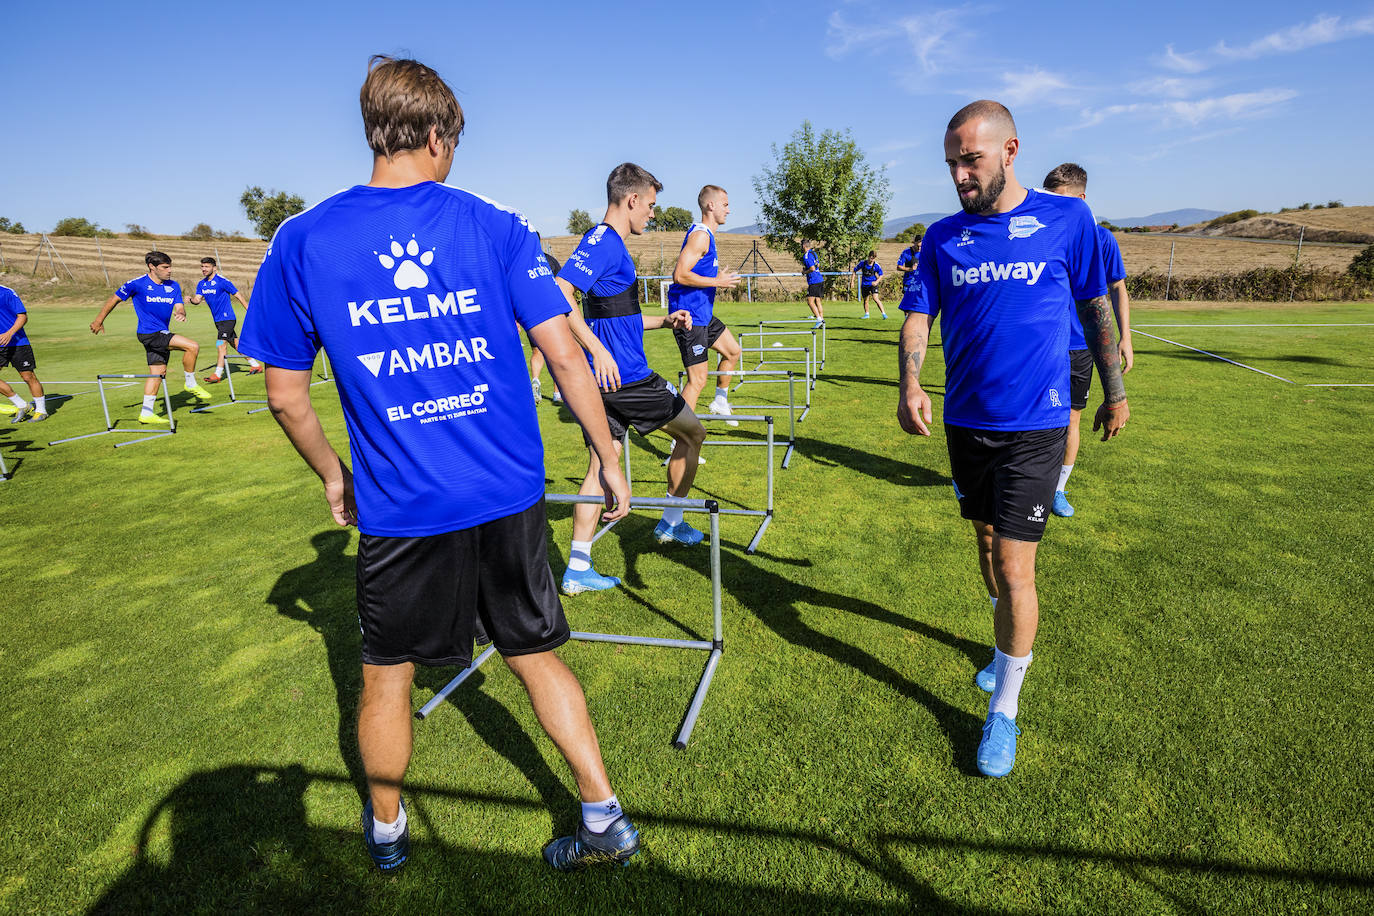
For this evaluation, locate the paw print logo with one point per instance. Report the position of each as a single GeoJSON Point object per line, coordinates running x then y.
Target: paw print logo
{"type": "Point", "coordinates": [1039, 511]}
{"type": "Point", "coordinates": [409, 275]}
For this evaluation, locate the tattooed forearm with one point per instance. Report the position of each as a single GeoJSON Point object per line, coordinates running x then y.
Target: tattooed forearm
{"type": "Point", "coordinates": [912, 349]}
{"type": "Point", "coordinates": [1099, 330]}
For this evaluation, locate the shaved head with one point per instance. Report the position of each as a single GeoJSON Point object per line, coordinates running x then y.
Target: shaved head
{"type": "Point", "coordinates": [980, 149]}
{"type": "Point", "coordinates": [994, 114]}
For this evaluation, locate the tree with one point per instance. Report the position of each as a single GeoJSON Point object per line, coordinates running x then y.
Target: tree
{"type": "Point", "coordinates": [820, 187]}
{"type": "Point", "coordinates": [670, 219]}
{"type": "Point", "coordinates": [16, 228]}
{"type": "Point", "coordinates": [579, 221]}
{"type": "Point", "coordinates": [135, 231]}
{"type": "Point", "coordinates": [1362, 265]}
{"type": "Point", "coordinates": [80, 227]}
{"type": "Point", "coordinates": [913, 233]}
{"type": "Point", "coordinates": [268, 211]}
{"type": "Point", "coordinates": [200, 232]}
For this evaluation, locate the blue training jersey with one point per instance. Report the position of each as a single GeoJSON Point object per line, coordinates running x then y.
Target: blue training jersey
{"type": "Point", "coordinates": [11, 307]}
{"type": "Point", "coordinates": [699, 301]}
{"type": "Point", "coordinates": [811, 264]}
{"type": "Point", "coordinates": [153, 302]}
{"type": "Point", "coordinates": [602, 266]}
{"type": "Point", "coordinates": [414, 293]}
{"type": "Point", "coordinates": [911, 280]}
{"type": "Point", "coordinates": [1004, 286]}
{"type": "Point", "coordinates": [869, 273]}
{"type": "Point", "coordinates": [1112, 267]}
{"type": "Point", "coordinates": [216, 290]}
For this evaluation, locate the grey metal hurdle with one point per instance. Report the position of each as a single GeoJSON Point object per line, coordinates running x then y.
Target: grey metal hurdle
{"type": "Point", "coordinates": [715, 646]}
{"type": "Point", "coordinates": [811, 321]}
{"type": "Point", "coordinates": [324, 357]}
{"type": "Point", "coordinates": [764, 353]}
{"type": "Point", "coordinates": [792, 418]}
{"type": "Point", "coordinates": [229, 377]}
{"type": "Point", "coordinates": [144, 435]}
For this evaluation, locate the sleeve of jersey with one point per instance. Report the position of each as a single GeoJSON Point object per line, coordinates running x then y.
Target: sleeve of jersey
{"type": "Point", "coordinates": [1086, 279]}
{"type": "Point", "coordinates": [229, 287]}
{"type": "Point", "coordinates": [583, 272]}
{"type": "Point", "coordinates": [1112, 265]}
{"type": "Point", "coordinates": [925, 298]}
{"type": "Point", "coordinates": [534, 296]}
{"type": "Point", "coordinates": [277, 329]}
{"type": "Point", "coordinates": [125, 291]}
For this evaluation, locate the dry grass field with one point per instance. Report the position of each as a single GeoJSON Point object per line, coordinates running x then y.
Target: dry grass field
{"type": "Point", "coordinates": [1354, 225]}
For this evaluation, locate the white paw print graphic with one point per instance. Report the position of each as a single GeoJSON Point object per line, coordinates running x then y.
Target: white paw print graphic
{"type": "Point", "coordinates": [409, 275]}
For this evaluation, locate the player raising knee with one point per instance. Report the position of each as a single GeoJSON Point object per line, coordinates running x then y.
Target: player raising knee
{"type": "Point", "coordinates": [16, 351]}
{"type": "Point", "coordinates": [215, 291]}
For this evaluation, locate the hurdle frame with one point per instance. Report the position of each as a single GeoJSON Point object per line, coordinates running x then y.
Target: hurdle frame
{"type": "Point", "coordinates": [229, 377]}
{"type": "Point", "coordinates": [327, 378]}
{"type": "Point", "coordinates": [715, 645]}
{"type": "Point", "coordinates": [792, 418]}
{"type": "Point", "coordinates": [813, 369]}
{"type": "Point", "coordinates": [811, 321]}
{"type": "Point", "coordinates": [4, 470]}
{"type": "Point", "coordinates": [143, 435]}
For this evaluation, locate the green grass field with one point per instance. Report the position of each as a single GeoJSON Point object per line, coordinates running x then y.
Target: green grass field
{"type": "Point", "coordinates": [181, 661]}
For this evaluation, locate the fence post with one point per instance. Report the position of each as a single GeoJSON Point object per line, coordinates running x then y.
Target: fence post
{"type": "Point", "coordinates": [1169, 281]}
{"type": "Point", "coordinates": [100, 254]}
{"type": "Point", "coordinates": [1293, 289]}
{"type": "Point", "coordinates": [3, 265]}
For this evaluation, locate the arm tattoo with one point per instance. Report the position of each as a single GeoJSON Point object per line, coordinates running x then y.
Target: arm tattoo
{"type": "Point", "coordinates": [912, 350]}
{"type": "Point", "coordinates": [1099, 330]}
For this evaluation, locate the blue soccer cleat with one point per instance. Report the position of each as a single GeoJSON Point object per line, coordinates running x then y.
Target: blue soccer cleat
{"type": "Point", "coordinates": [389, 857]}
{"type": "Point", "coordinates": [1061, 505]}
{"type": "Point", "coordinates": [997, 750]}
{"type": "Point", "coordinates": [586, 580]}
{"type": "Point", "coordinates": [681, 533]}
{"type": "Point", "coordinates": [987, 678]}
{"type": "Point", "coordinates": [584, 848]}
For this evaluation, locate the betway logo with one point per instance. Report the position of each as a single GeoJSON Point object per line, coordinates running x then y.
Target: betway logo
{"type": "Point", "coordinates": [389, 311]}
{"type": "Point", "coordinates": [438, 355]}
{"type": "Point", "coordinates": [988, 271]}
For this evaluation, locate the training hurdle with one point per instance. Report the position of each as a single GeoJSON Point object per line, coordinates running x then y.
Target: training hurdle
{"type": "Point", "coordinates": [812, 370]}
{"type": "Point", "coordinates": [229, 377]}
{"type": "Point", "coordinates": [715, 646]}
{"type": "Point", "coordinates": [763, 325]}
{"type": "Point", "coordinates": [327, 378]}
{"type": "Point", "coordinates": [4, 471]}
{"type": "Point", "coordinates": [792, 418]}
{"type": "Point", "coordinates": [144, 435]}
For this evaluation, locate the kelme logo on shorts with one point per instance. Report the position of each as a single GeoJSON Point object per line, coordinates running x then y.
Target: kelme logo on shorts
{"type": "Point", "coordinates": [409, 275]}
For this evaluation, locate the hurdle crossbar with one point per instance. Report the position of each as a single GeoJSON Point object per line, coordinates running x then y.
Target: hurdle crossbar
{"type": "Point", "coordinates": [142, 434]}
{"type": "Point", "coordinates": [792, 418]}
{"type": "Point", "coordinates": [766, 513]}
{"type": "Point", "coordinates": [777, 346]}
{"type": "Point", "coordinates": [715, 646]}
{"type": "Point", "coordinates": [229, 377]}
{"type": "Point", "coordinates": [811, 321]}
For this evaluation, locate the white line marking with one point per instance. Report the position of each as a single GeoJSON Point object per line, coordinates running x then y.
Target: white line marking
{"type": "Point", "coordinates": [1365, 324]}
{"type": "Point", "coordinates": [1339, 385]}
{"type": "Point", "coordinates": [1222, 358]}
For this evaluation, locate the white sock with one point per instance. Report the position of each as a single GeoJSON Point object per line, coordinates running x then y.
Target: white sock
{"type": "Point", "coordinates": [672, 516]}
{"type": "Point", "coordinates": [1064, 472]}
{"type": "Point", "coordinates": [219, 371]}
{"type": "Point", "coordinates": [253, 362]}
{"type": "Point", "coordinates": [721, 394]}
{"type": "Point", "coordinates": [599, 815]}
{"type": "Point", "coordinates": [580, 556]}
{"type": "Point", "coordinates": [148, 401]}
{"type": "Point", "coordinates": [1011, 671]}
{"type": "Point", "coordinates": [40, 403]}
{"type": "Point", "coordinates": [18, 401]}
{"type": "Point", "coordinates": [387, 833]}
{"type": "Point", "coordinates": [190, 379]}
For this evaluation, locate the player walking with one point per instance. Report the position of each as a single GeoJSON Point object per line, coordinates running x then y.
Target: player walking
{"type": "Point", "coordinates": [815, 283]}
{"type": "Point", "coordinates": [215, 291]}
{"type": "Point", "coordinates": [634, 395]}
{"type": "Point", "coordinates": [157, 300]}
{"type": "Point", "coordinates": [870, 272]}
{"type": "Point", "coordinates": [906, 266]}
{"type": "Point", "coordinates": [17, 351]}
{"type": "Point", "coordinates": [1002, 274]}
{"type": "Point", "coordinates": [445, 443]}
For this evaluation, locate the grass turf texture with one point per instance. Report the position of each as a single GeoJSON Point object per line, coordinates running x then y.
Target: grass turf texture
{"type": "Point", "coordinates": [181, 663]}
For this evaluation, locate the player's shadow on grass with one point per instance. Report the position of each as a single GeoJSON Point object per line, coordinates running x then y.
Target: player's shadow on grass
{"type": "Point", "coordinates": [1306, 359]}
{"type": "Point", "coordinates": [879, 467]}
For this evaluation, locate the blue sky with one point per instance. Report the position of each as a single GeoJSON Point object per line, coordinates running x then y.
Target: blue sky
{"type": "Point", "coordinates": [162, 116]}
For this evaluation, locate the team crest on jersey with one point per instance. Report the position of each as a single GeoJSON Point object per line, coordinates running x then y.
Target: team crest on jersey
{"type": "Point", "coordinates": [409, 275]}
{"type": "Point", "coordinates": [1023, 227]}
{"type": "Point", "coordinates": [965, 238]}
{"type": "Point", "coordinates": [597, 234]}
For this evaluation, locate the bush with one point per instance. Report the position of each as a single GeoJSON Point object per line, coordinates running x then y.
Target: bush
{"type": "Point", "coordinates": [80, 227]}
{"type": "Point", "coordinates": [1362, 266]}
{"type": "Point", "coordinates": [15, 228]}
{"type": "Point", "coordinates": [1229, 218]}
{"type": "Point", "coordinates": [912, 233]}
{"type": "Point", "coordinates": [1261, 284]}
{"type": "Point", "coordinates": [200, 232]}
{"type": "Point", "coordinates": [135, 231]}
{"type": "Point", "coordinates": [1333, 204]}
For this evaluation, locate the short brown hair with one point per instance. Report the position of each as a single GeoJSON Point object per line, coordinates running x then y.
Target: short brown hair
{"type": "Point", "coordinates": [626, 179]}
{"type": "Point", "coordinates": [401, 100]}
{"type": "Point", "coordinates": [983, 110]}
{"type": "Point", "coordinates": [1069, 177]}
{"type": "Point", "coordinates": [707, 193]}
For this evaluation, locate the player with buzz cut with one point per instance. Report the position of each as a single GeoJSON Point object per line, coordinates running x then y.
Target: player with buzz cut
{"type": "Point", "coordinates": [1071, 179]}
{"type": "Point", "coordinates": [157, 300]}
{"type": "Point", "coordinates": [17, 351]}
{"type": "Point", "coordinates": [870, 272]}
{"type": "Point", "coordinates": [447, 481]}
{"type": "Point", "coordinates": [215, 291]}
{"type": "Point", "coordinates": [1003, 276]}
{"type": "Point", "coordinates": [815, 282]}
{"type": "Point", "coordinates": [696, 277]}
{"type": "Point", "coordinates": [602, 270]}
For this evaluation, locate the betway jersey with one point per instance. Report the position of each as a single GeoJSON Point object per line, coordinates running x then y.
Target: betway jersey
{"type": "Point", "coordinates": [699, 301]}
{"type": "Point", "coordinates": [869, 272]}
{"type": "Point", "coordinates": [1112, 267]}
{"type": "Point", "coordinates": [1004, 286]}
{"type": "Point", "coordinates": [602, 266]}
{"type": "Point", "coordinates": [911, 280]}
{"type": "Point", "coordinates": [153, 302]}
{"type": "Point", "coordinates": [11, 307]}
{"type": "Point", "coordinates": [811, 264]}
{"type": "Point", "coordinates": [216, 291]}
{"type": "Point", "coordinates": [414, 294]}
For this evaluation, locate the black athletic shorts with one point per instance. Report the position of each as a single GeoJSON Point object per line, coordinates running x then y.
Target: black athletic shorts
{"type": "Point", "coordinates": [420, 598]}
{"type": "Point", "coordinates": [20, 356]}
{"type": "Point", "coordinates": [693, 344]}
{"type": "Point", "coordinates": [226, 330]}
{"type": "Point", "coordinates": [868, 290]}
{"type": "Point", "coordinates": [159, 347]}
{"type": "Point", "coordinates": [814, 290]}
{"type": "Point", "coordinates": [1006, 479]}
{"type": "Point", "coordinates": [1080, 377]}
{"type": "Point", "coordinates": [646, 405]}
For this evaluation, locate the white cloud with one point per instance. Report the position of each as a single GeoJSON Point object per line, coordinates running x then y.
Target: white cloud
{"type": "Point", "coordinates": [1173, 87]}
{"type": "Point", "coordinates": [1160, 150]}
{"type": "Point", "coordinates": [1183, 63]}
{"type": "Point", "coordinates": [1194, 111]}
{"type": "Point", "coordinates": [894, 146]}
{"type": "Point", "coordinates": [1032, 85]}
{"type": "Point", "coordinates": [933, 36]}
{"type": "Point", "coordinates": [1320, 31]}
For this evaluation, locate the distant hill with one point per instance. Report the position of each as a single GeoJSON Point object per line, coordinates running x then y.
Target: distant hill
{"type": "Point", "coordinates": [1354, 225]}
{"type": "Point", "coordinates": [1185, 217]}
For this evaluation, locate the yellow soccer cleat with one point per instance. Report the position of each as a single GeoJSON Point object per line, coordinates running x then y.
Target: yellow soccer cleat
{"type": "Point", "coordinates": [198, 392]}
{"type": "Point", "coordinates": [8, 410]}
{"type": "Point", "coordinates": [152, 419]}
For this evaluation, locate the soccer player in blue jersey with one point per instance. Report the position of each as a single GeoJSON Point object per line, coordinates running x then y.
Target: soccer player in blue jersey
{"type": "Point", "coordinates": [157, 300]}
{"type": "Point", "coordinates": [870, 272]}
{"type": "Point", "coordinates": [17, 351]}
{"type": "Point", "coordinates": [815, 283]}
{"type": "Point", "coordinates": [1002, 276]}
{"type": "Point", "coordinates": [215, 291]}
{"type": "Point", "coordinates": [1071, 179]}
{"type": "Point", "coordinates": [602, 270]}
{"type": "Point", "coordinates": [906, 266]}
{"type": "Point", "coordinates": [696, 277]}
{"type": "Point", "coordinates": [414, 289]}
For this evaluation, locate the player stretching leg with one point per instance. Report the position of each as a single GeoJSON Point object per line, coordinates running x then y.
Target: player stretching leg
{"type": "Point", "coordinates": [1003, 274]}
{"type": "Point", "coordinates": [17, 351]}
{"type": "Point", "coordinates": [634, 395]}
{"type": "Point", "coordinates": [870, 272]}
{"type": "Point", "coordinates": [695, 281]}
{"type": "Point", "coordinates": [1072, 180]}
{"type": "Point", "coordinates": [215, 291]}
{"type": "Point", "coordinates": [815, 285]}
{"type": "Point", "coordinates": [157, 299]}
